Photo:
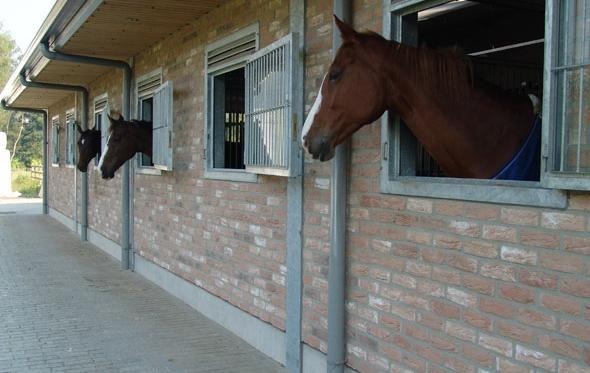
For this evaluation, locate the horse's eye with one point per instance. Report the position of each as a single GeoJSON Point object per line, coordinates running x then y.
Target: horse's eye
{"type": "Point", "coordinates": [334, 75]}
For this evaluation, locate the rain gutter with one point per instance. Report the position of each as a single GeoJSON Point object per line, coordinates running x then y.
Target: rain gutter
{"type": "Point", "coordinates": [125, 200]}
{"type": "Point", "coordinates": [45, 160]}
{"type": "Point", "coordinates": [336, 358]}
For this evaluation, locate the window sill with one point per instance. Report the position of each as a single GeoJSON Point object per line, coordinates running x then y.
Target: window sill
{"type": "Point", "coordinates": [505, 192]}
{"type": "Point", "coordinates": [55, 165]}
{"type": "Point", "coordinates": [69, 166]}
{"type": "Point", "coordinates": [142, 170]}
{"type": "Point", "coordinates": [231, 175]}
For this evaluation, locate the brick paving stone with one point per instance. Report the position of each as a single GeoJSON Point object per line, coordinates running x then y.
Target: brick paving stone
{"type": "Point", "coordinates": [65, 306]}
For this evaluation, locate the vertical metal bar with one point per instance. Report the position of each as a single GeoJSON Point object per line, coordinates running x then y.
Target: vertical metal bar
{"type": "Point", "coordinates": [581, 88]}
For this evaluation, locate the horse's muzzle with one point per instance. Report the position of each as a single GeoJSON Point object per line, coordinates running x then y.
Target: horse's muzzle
{"type": "Point", "coordinates": [319, 148]}
{"type": "Point", "coordinates": [107, 175]}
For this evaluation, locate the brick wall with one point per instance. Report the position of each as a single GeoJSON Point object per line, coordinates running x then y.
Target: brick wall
{"type": "Point", "coordinates": [226, 237]}
{"type": "Point", "coordinates": [61, 199]}
{"type": "Point", "coordinates": [433, 285]}
{"type": "Point", "coordinates": [436, 285]}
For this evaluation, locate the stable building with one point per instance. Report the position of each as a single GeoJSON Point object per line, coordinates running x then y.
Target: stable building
{"type": "Point", "coordinates": [230, 215]}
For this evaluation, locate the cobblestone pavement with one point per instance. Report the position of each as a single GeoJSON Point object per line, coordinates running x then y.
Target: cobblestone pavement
{"type": "Point", "coordinates": [66, 307]}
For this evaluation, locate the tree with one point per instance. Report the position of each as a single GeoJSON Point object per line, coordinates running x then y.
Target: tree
{"type": "Point", "coordinates": [23, 130]}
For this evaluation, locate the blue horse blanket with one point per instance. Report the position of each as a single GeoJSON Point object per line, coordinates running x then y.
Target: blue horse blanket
{"type": "Point", "coordinates": [526, 164]}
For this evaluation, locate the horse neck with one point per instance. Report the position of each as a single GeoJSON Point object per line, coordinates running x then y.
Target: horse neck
{"type": "Point", "coordinates": [471, 136]}
{"type": "Point", "coordinates": [143, 135]}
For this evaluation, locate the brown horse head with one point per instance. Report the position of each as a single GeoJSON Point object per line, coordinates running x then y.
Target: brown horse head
{"type": "Point", "coordinates": [88, 147]}
{"type": "Point", "coordinates": [351, 95]}
{"type": "Point", "coordinates": [125, 139]}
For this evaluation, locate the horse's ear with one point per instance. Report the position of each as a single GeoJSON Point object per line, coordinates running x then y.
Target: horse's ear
{"type": "Point", "coordinates": [79, 129]}
{"type": "Point", "coordinates": [347, 32]}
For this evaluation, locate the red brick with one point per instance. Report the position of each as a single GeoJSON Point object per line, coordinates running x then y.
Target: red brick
{"type": "Point", "coordinates": [460, 331]}
{"type": "Point", "coordinates": [560, 346]}
{"type": "Point", "coordinates": [464, 228]}
{"type": "Point", "coordinates": [458, 365]}
{"type": "Point", "coordinates": [539, 239]}
{"type": "Point", "coordinates": [479, 284]}
{"type": "Point", "coordinates": [515, 331]}
{"type": "Point", "coordinates": [436, 256]}
{"type": "Point", "coordinates": [498, 308]}
{"type": "Point", "coordinates": [559, 261]}
{"type": "Point", "coordinates": [481, 211]}
{"type": "Point", "coordinates": [433, 289]}
{"type": "Point", "coordinates": [431, 321]}
{"type": "Point", "coordinates": [480, 248]}
{"type": "Point", "coordinates": [534, 318]}
{"type": "Point", "coordinates": [565, 221]}
{"type": "Point", "coordinates": [580, 288]}
{"type": "Point", "coordinates": [518, 255]}
{"type": "Point", "coordinates": [534, 357]}
{"type": "Point", "coordinates": [478, 355]}
{"type": "Point", "coordinates": [445, 275]}
{"type": "Point", "coordinates": [419, 205]}
{"type": "Point", "coordinates": [418, 268]}
{"type": "Point", "coordinates": [445, 310]}
{"type": "Point", "coordinates": [560, 304]}
{"type": "Point", "coordinates": [576, 329]}
{"type": "Point", "coordinates": [498, 271]}
{"type": "Point", "coordinates": [389, 322]}
{"type": "Point", "coordinates": [478, 320]}
{"type": "Point", "coordinates": [419, 237]}
{"type": "Point", "coordinates": [461, 297]}
{"type": "Point", "coordinates": [499, 233]}
{"type": "Point", "coordinates": [462, 262]}
{"type": "Point", "coordinates": [519, 216]}
{"type": "Point", "coordinates": [447, 242]}
{"type": "Point", "coordinates": [517, 293]}
{"type": "Point", "coordinates": [449, 208]}
{"type": "Point", "coordinates": [496, 344]}
{"type": "Point", "coordinates": [430, 354]}
{"type": "Point", "coordinates": [507, 366]}
{"type": "Point", "coordinates": [580, 245]}
{"type": "Point", "coordinates": [442, 342]}
{"type": "Point", "coordinates": [538, 279]}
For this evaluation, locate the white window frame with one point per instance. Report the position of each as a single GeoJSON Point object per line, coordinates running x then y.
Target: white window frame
{"type": "Point", "coordinates": [140, 96]}
{"type": "Point", "coordinates": [496, 191]}
{"type": "Point", "coordinates": [104, 123]}
{"type": "Point", "coordinates": [55, 130]}
{"type": "Point", "coordinates": [210, 73]}
{"type": "Point", "coordinates": [71, 137]}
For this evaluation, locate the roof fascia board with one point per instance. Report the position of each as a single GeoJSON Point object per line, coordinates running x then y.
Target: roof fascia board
{"type": "Point", "coordinates": [61, 39]}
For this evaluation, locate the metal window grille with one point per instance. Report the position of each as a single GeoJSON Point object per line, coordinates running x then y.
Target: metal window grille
{"type": "Point", "coordinates": [55, 140]}
{"type": "Point", "coordinates": [268, 129]}
{"type": "Point", "coordinates": [145, 88]}
{"type": "Point", "coordinates": [70, 138]}
{"type": "Point", "coordinates": [571, 73]}
{"type": "Point", "coordinates": [163, 153]}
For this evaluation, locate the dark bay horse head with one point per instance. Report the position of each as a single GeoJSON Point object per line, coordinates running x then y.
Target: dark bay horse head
{"type": "Point", "coordinates": [471, 128]}
{"type": "Point", "coordinates": [88, 147]}
{"type": "Point", "coordinates": [125, 139]}
{"type": "Point", "coordinates": [351, 95]}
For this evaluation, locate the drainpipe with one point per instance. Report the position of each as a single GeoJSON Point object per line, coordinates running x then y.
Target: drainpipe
{"type": "Point", "coordinates": [45, 160]}
{"type": "Point", "coordinates": [84, 124]}
{"type": "Point", "coordinates": [337, 266]}
{"type": "Point", "coordinates": [125, 203]}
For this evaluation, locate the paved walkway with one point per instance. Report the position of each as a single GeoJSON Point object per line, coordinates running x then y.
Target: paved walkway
{"type": "Point", "coordinates": [26, 206]}
{"type": "Point", "coordinates": [65, 306]}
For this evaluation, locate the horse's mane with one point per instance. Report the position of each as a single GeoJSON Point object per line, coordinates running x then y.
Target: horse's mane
{"type": "Point", "coordinates": [132, 122]}
{"type": "Point", "coordinates": [443, 70]}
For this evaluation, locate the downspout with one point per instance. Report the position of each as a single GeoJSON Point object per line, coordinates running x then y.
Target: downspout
{"type": "Point", "coordinates": [337, 266]}
{"type": "Point", "coordinates": [45, 160]}
{"type": "Point", "coordinates": [125, 203]}
{"type": "Point", "coordinates": [84, 124]}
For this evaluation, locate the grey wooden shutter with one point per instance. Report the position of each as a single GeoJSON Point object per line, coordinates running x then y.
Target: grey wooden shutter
{"type": "Point", "coordinates": [55, 140]}
{"type": "Point", "coordinates": [163, 154]}
{"type": "Point", "coordinates": [269, 131]}
{"type": "Point", "coordinates": [104, 128]}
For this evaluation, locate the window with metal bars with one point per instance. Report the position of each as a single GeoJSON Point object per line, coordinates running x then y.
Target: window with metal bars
{"type": "Point", "coordinates": [226, 88]}
{"type": "Point", "coordinates": [145, 88]}
{"type": "Point", "coordinates": [55, 140]}
{"type": "Point", "coordinates": [70, 137]}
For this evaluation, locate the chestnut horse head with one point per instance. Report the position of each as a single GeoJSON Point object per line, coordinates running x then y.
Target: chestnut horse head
{"type": "Point", "coordinates": [470, 127]}
{"type": "Point", "coordinates": [88, 147]}
{"type": "Point", "coordinates": [125, 139]}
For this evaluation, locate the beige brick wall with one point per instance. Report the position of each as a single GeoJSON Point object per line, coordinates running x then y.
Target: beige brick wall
{"type": "Point", "coordinates": [61, 199]}
{"type": "Point", "coordinates": [433, 285]}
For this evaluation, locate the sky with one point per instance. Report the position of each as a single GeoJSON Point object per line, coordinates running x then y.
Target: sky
{"type": "Point", "coordinates": [22, 19]}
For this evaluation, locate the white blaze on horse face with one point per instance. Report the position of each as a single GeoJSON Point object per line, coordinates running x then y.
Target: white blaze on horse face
{"type": "Point", "coordinates": [312, 113]}
{"type": "Point", "coordinates": [83, 141]}
{"type": "Point", "coordinates": [106, 149]}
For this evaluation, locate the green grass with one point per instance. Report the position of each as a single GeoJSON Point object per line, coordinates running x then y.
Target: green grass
{"type": "Point", "coordinates": [23, 183]}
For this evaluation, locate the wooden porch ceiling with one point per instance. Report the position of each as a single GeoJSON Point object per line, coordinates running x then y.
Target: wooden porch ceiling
{"type": "Point", "coordinates": [118, 29]}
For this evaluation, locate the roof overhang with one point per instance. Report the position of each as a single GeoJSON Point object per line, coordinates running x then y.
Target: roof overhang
{"type": "Point", "coordinates": [114, 29]}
